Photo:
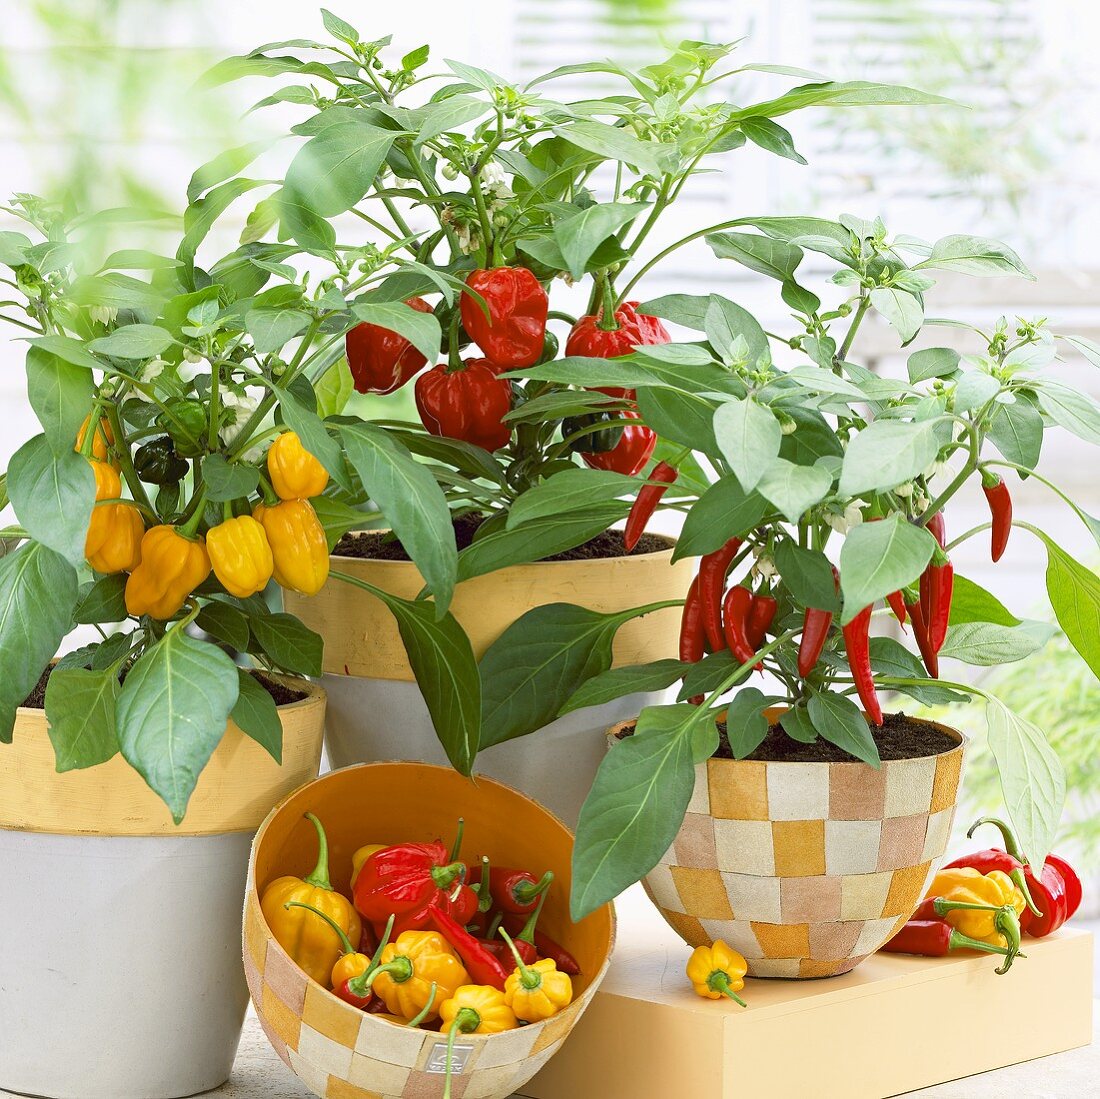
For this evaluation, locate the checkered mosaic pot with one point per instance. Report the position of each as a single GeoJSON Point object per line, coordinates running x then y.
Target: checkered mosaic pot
{"type": "Point", "coordinates": [338, 1051]}
{"type": "Point", "coordinates": [806, 868]}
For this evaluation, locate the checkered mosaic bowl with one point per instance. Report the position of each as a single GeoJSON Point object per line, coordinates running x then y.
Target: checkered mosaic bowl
{"type": "Point", "coordinates": [806, 868]}
{"type": "Point", "coordinates": [342, 1053]}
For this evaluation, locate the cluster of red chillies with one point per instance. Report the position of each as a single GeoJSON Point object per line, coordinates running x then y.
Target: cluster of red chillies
{"type": "Point", "coordinates": [468, 399]}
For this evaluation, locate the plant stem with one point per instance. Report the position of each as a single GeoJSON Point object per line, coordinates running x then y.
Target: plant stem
{"type": "Point", "coordinates": [857, 320]}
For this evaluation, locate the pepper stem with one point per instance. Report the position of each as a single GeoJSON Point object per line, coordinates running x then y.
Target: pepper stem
{"type": "Point", "coordinates": [491, 933]}
{"type": "Point", "coordinates": [959, 941]}
{"type": "Point", "coordinates": [1012, 847]}
{"type": "Point", "coordinates": [400, 969]}
{"type": "Point", "coordinates": [426, 1010]}
{"type": "Point", "coordinates": [485, 894]}
{"type": "Point", "coordinates": [445, 876]}
{"type": "Point", "coordinates": [943, 905]}
{"type": "Point", "coordinates": [526, 892]}
{"type": "Point", "coordinates": [382, 943]}
{"type": "Point", "coordinates": [607, 322]}
{"type": "Point", "coordinates": [529, 978]}
{"type": "Point", "coordinates": [466, 1021]}
{"type": "Point", "coordinates": [319, 879]}
{"type": "Point", "coordinates": [719, 980]}
{"type": "Point", "coordinates": [454, 356]}
{"type": "Point", "coordinates": [457, 846]}
{"type": "Point", "coordinates": [345, 942]}
{"type": "Point", "coordinates": [527, 935]}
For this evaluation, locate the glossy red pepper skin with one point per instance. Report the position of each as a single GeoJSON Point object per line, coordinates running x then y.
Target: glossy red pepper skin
{"type": "Point", "coordinates": [516, 892]}
{"type": "Point", "coordinates": [630, 454]}
{"type": "Point", "coordinates": [407, 881]}
{"type": "Point", "coordinates": [1000, 511]}
{"type": "Point", "coordinates": [480, 963]}
{"type": "Point", "coordinates": [468, 403]}
{"type": "Point", "coordinates": [645, 503]}
{"type": "Point", "coordinates": [589, 340]}
{"type": "Point", "coordinates": [857, 645]}
{"type": "Point", "coordinates": [934, 939]}
{"type": "Point", "coordinates": [815, 632]}
{"type": "Point", "coordinates": [513, 334]}
{"type": "Point", "coordinates": [503, 954]}
{"type": "Point", "coordinates": [380, 360]}
{"type": "Point", "coordinates": [761, 615]}
{"type": "Point", "coordinates": [546, 946]}
{"type": "Point", "coordinates": [941, 582]}
{"type": "Point", "coordinates": [735, 614]}
{"type": "Point", "coordinates": [1074, 892]}
{"type": "Point", "coordinates": [345, 993]}
{"type": "Point", "coordinates": [691, 626]}
{"type": "Point", "coordinates": [713, 568]}
{"type": "Point", "coordinates": [938, 529]}
{"type": "Point", "coordinates": [931, 659]}
{"type": "Point", "coordinates": [897, 605]}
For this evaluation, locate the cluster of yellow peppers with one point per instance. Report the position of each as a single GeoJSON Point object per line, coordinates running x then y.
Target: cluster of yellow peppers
{"type": "Point", "coordinates": [166, 563]}
{"type": "Point", "coordinates": [987, 892]}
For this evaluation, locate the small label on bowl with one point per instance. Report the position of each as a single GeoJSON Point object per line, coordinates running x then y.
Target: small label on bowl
{"type": "Point", "coordinates": [437, 1059]}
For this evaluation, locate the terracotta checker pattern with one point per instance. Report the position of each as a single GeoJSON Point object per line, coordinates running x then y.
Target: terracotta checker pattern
{"type": "Point", "coordinates": [806, 868]}
{"type": "Point", "coordinates": [341, 1053]}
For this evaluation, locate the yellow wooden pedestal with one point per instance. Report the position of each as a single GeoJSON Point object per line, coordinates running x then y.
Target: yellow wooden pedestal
{"type": "Point", "coordinates": [892, 1025]}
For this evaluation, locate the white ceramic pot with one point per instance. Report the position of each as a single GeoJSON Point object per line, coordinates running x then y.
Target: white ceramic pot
{"type": "Point", "coordinates": [120, 970]}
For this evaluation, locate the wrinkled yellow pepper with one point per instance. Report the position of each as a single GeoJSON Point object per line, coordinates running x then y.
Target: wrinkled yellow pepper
{"type": "Point", "coordinates": [298, 544]}
{"type": "Point", "coordinates": [410, 967]}
{"type": "Point", "coordinates": [121, 550]}
{"type": "Point", "coordinates": [968, 885]}
{"type": "Point", "coordinates": [295, 473]}
{"type": "Point", "coordinates": [240, 555]}
{"type": "Point", "coordinates": [477, 1009]}
{"type": "Point", "coordinates": [172, 566]}
{"type": "Point", "coordinates": [538, 991]}
{"type": "Point", "coordinates": [101, 443]}
{"type": "Point", "coordinates": [108, 486]}
{"type": "Point", "coordinates": [310, 942]}
{"type": "Point", "coordinates": [717, 971]}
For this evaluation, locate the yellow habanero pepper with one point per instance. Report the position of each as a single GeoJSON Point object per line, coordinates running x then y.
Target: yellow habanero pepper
{"type": "Point", "coordinates": [361, 857]}
{"type": "Point", "coordinates": [121, 550]}
{"type": "Point", "coordinates": [966, 885]}
{"type": "Point", "coordinates": [474, 1009]}
{"type": "Point", "coordinates": [295, 473]}
{"type": "Point", "coordinates": [108, 486]}
{"type": "Point", "coordinates": [172, 566]}
{"type": "Point", "coordinates": [536, 992]}
{"type": "Point", "coordinates": [717, 971]}
{"type": "Point", "coordinates": [101, 442]}
{"type": "Point", "coordinates": [351, 962]}
{"type": "Point", "coordinates": [316, 947]}
{"type": "Point", "coordinates": [411, 965]}
{"type": "Point", "coordinates": [298, 544]}
{"type": "Point", "coordinates": [240, 555]}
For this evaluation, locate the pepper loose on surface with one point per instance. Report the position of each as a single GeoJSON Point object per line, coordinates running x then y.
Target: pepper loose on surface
{"type": "Point", "coordinates": [1000, 511]}
{"type": "Point", "coordinates": [971, 901]}
{"type": "Point", "coordinates": [645, 504]}
{"type": "Point", "coordinates": [172, 566]}
{"type": "Point", "coordinates": [513, 333]}
{"type": "Point", "coordinates": [857, 644]}
{"type": "Point", "coordinates": [467, 403]}
{"type": "Point", "coordinates": [629, 455]}
{"type": "Point", "coordinates": [299, 549]}
{"type": "Point", "coordinates": [240, 555]}
{"type": "Point", "coordinates": [717, 971]}
{"type": "Point", "coordinates": [380, 359]}
{"type": "Point", "coordinates": [713, 568]}
{"type": "Point", "coordinates": [937, 939]}
{"type": "Point", "coordinates": [295, 473]}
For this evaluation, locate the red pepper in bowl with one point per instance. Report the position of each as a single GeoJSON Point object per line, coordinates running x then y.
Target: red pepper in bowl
{"type": "Point", "coordinates": [517, 891]}
{"type": "Point", "coordinates": [481, 964]}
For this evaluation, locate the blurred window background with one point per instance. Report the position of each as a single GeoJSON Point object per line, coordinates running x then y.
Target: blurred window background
{"type": "Point", "coordinates": [96, 101]}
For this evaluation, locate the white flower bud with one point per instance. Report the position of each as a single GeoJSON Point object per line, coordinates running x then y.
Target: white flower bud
{"type": "Point", "coordinates": [904, 491]}
{"type": "Point", "coordinates": [853, 515]}
{"type": "Point", "coordinates": [102, 314]}
{"type": "Point", "coordinates": [192, 356]}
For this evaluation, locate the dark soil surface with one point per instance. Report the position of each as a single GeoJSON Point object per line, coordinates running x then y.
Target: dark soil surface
{"type": "Point", "coordinates": [900, 737]}
{"type": "Point", "coordinates": [383, 546]}
{"type": "Point", "coordinates": [282, 695]}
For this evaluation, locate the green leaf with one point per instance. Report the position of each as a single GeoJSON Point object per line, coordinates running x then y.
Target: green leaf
{"type": "Point", "coordinates": [619, 682]}
{"type": "Point", "coordinates": [53, 496]}
{"type": "Point", "coordinates": [808, 575]}
{"type": "Point", "coordinates": [60, 394]}
{"type": "Point", "coordinates": [580, 235]}
{"type": "Point", "coordinates": [748, 436]}
{"type": "Point", "coordinates": [975, 390]}
{"type": "Point", "coordinates": [797, 725]}
{"type": "Point", "coordinates": [289, 643]}
{"type": "Point", "coordinates": [794, 489]}
{"type": "Point", "coordinates": [731, 329]}
{"type": "Point", "coordinates": [420, 329]}
{"type": "Point", "coordinates": [537, 539]}
{"type": "Point", "coordinates": [223, 166]}
{"type": "Point", "coordinates": [1072, 409]}
{"type": "Point", "coordinates": [334, 388]}
{"type": "Point", "coordinates": [405, 491]}
{"type": "Point", "coordinates": [1016, 430]}
{"type": "Point", "coordinates": [227, 481]}
{"type": "Point", "coordinates": [724, 511]}
{"type": "Point", "coordinates": [199, 217]}
{"type": "Point", "coordinates": [634, 372]}
{"type": "Point", "coordinates": [746, 723]}
{"type": "Point", "coordinates": [225, 622]}
{"type": "Point", "coordinates": [339, 28]}
{"type": "Point", "coordinates": [970, 602]}
{"type": "Point", "coordinates": [13, 248]}
{"type": "Point", "coordinates": [889, 658]}
{"type": "Point", "coordinates": [904, 311]}
{"type": "Point", "coordinates": [1090, 349]}
{"type": "Point", "coordinates": [614, 143]}
{"type": "Point", "coordinates": [636, 806]}
{"type": "Point", "coordinates": [270, 329]}
{"type": "Point", "coordinates": [570, 490]}
{"type": "Point", "coordinates": [38, 594]}
{"type": "Point", "coordinates": [853, 93]}
{"type": "Point", "coordinates": [313, 434]}
{"type": "Point", "coordinates": [773, 137]}
{"type": "Point", "coordinates": [975, 256]}
{"type": "Point", "coordinates": [932, 362]}
{"type": "Point", "coordinates": [888, 453]}
{"type": "Point", "coordinates": [678, 417]}
{"type": "Point", "coordinates": [80, 708]}
{"type": "Point", "coordinates": [1032, 780]}
{"type": "Point", "coordinates": [134, 341]}
{"type": "Point", "coordinates": [710, 673]}
{"type": "Point", "coordinates": [72, 351]}
{"type": "Point", "coordinates": [257, 716]}
{"type": "Point", "coordinates": [172, 712]}
{"type": "Point", "coordinates": [838, 719]}
{"type": "Point", "coordinates": [102, 601]}
{"type": "Point", "coordinates": [879, 558]}
{"type": "Point", "coordinates": [771, 257]}
{"type": "Point", "coordinates": [1074, 593]}
{"type": "Point", "coordinates": [532, 669]}
{"type": "Point", "coordinates": [987, 645]}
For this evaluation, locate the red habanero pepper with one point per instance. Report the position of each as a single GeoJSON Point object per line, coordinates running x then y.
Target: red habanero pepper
{"type": "Point", "coordinates": [941, 582]}
{"type": "Point", "coordinates": [857, 645]}
{"type": "Point", "coordinates": [380, 359]}
{"type": "Point", "coordinates": [630, 454]}
{"type": "Point", "coordinates": [712, 583]}
{"type": "Point", "coordinates": [513, 334]}
{"type": "Point", "coordinates": [524, 941]}
{"type": "Point", "coordinates": [468, 403]}
{"type": "Point", "coordinates": [1000, 510]}
{"type": "Point", "coordinates": [761, 615]}
{"type": "Point", "coordinates": [407, 880]}
{"type": "Point", "coordinates": [517, 891]}
{"type": "Point", "coordinates": [920, 632]}
{"type": "Point", "coordinates": [484, 968]}
{"type": "Point", "coordinates": [1056, 889]}
{"type": "Point", "coordinates": [590, 339]}
{"type": "Point", "coordinates": [645, 503]}
{"type": "Point", "coordinates": [937, 939]}
{"type": "Point", "coordinates": [735, 612]}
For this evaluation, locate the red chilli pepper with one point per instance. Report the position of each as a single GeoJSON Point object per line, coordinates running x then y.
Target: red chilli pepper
{"type": "Point", "coordinates": [815, 632]}
{"type": "Point", "coordinates": [513, 334]}
{"type": "Point", "coordinates": [380, 359]}
{"type": "Point", "coordinates": [546, 947]}
{"type": "Point", "coordinates": [920, 632]}
{"type": "Point", "coordinates": [692, 636]}
{"type": "Point", "coordinates": [936, 939]}
{"type": "Point", "coordinates": [517, 891]}
{"type": "Point", "coordinates": [469, 403]}
{"type": "Point", "coordinates": [524, 940]}
{"type": "Point", "coordinates": [735, 613]}
{"type": "Point", "coordinates": [1000, 510]}
{"type": "Point", "coordinates": [712, 583]}
{"type": "Point", "coordinates": [897, 605]}
{"type": "Point", "coordinates": [480, 963]}
{"type": "Point", "coordinates": [857, 644]}
{"type": "Point", "coordinates": [589, 339]}
{"type": "Point", "coordinates": [941, 582]}
{"type": "Point", "coordinates": [761, 616]}
{"type": "Point", "coordinates": [630, 454]}
{"type": "Point", "coordinates": [938, 529]}
{"type": "Point", "coordinates": [645, 503]}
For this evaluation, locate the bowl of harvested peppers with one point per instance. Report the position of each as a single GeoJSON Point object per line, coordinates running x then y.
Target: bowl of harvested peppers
{"type": "Point", "coordinates": [407, 932]}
